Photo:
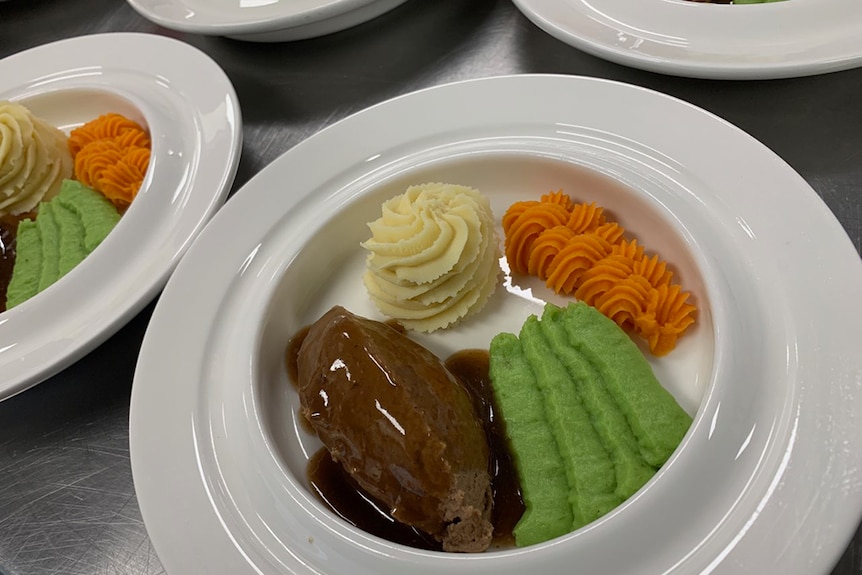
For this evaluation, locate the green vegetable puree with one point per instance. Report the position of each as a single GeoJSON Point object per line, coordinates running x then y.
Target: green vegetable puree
{"type": "Point", "coordinates": [66, 230]}
{"type": "Point", "coordinates": [587, 421]}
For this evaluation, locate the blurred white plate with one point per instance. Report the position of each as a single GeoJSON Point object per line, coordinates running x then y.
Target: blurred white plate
{"type": "Point", "coordinates": [192, 113]}
{"type": "Point", "coordinates": [722, 41]}
{"type": "Point", "coordinates": [766, 481]}
{"type": "Point", "coordinates": [262, 20]}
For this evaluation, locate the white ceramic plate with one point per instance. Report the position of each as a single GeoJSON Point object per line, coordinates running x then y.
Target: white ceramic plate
{"type": "Point", "coordinates": [723, 41]}
{"type": "Point", "coordinates": [766, 481]}
{"type": "Point", "coordinates": [262, 20]}
{"type": "Point", "coordinates": [191, 110]}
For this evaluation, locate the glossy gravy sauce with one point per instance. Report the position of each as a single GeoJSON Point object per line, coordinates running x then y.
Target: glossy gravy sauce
{"type": "Point", "coordinates": [335, 488]}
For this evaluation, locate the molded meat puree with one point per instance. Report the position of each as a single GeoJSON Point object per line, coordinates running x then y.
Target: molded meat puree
{"type": "Point", "coordinates": [400, 424]}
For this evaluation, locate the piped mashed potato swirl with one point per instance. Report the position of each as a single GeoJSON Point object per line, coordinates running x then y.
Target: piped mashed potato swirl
{"type": "Point", "coordinates": [432, 256]}
{"type": "Point", "coordinates": [34, 159]}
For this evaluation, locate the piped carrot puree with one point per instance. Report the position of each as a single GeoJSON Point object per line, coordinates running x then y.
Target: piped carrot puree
{"type": "Point", "coordinates": [577, 251]}
{"type": "Point", "coordinates": [111, 155]}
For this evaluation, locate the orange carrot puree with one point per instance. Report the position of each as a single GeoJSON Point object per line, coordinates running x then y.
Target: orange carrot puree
{"type": "Point", "coordinates": [577, 251]}
{"type": "Point", "coordinates": [111, 155]}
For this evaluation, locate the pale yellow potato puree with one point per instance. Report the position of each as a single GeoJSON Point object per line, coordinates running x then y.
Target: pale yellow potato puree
{"type": "Point", "coordinates": [433, 255]}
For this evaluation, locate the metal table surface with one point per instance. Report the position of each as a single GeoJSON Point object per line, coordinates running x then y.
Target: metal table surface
{"type": "Point", "coordinates": [67, 501]}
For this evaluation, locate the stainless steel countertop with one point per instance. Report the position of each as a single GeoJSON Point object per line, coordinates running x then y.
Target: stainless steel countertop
{"type": "Point", "coordinates": [67, 502]}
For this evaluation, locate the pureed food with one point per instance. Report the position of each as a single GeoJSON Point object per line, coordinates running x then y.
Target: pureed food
{"type": "Point", "coordinates": [569, 410]}
{"type": "Point", "coordinates": [107, 156]}
{"type": "Point", "coordinates": [578, 251]}
{"type": "Point", "coordinates": [65, 231]}
{"type": "Point", "coordinates": [390, 412]}
{"type": "Point", "coordinates": [34, 160]}
{"type": "Point", "coordinates": [432, 257]}
{"type": "Point", "coordinates": [587, 420]}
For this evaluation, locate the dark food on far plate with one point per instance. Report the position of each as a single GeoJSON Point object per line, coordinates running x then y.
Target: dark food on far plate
{"type": "Point", "coordinates": [8, 233]}
{"type": "Point", "coordinates": [401, 424]}
{"type": "Point", "coordinates": [736, 1]}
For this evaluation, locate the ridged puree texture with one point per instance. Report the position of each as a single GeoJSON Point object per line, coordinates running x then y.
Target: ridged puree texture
{"type": "Point", "coordinates": [66, 230]}
{"type": "Point", "coordinates": [587, 420]}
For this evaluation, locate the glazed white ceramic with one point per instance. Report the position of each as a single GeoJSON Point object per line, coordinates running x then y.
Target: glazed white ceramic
{"type": "Point", "coordinates": [193, 116]}
{"type": "Point", "coordinates": [767, 479]}
{"type": "Point", "coordinates": [722, 41]}
{"type": "Point", "coordinates": [262, 20]}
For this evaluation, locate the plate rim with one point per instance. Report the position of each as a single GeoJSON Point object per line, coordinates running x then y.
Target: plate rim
{"type": "Point", "coordinates": [93, 331]}
{"type": "Point", "coordinates": [176, 285]}
{"type": "Point", "coordinates": [323, 18]}
{"type": "Point", "coordinates": [682, 64]}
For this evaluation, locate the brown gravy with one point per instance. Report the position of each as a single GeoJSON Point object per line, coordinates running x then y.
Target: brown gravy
{"type": "Point", "coordinates": [334, 486]}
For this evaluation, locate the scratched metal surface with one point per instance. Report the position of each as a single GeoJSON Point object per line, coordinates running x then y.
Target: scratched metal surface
{"type": "Point", "coordinates": [67, 503]}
